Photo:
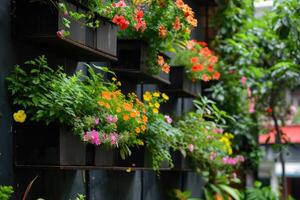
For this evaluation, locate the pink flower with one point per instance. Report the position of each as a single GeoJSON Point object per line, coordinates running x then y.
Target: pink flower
{"type": "Point", "coordinates": [191, 147]}
{"type": "Point", "coordinates": [218, 130]}
{"type": "Point", "coordinates": [213, 155]}
{"type": "Point", "coordinates": [92, 137]}
{"type": "Point", "coordinates": [229, 161]}
{"type": "Point", "coordinates": [114, 139]}
{"type": "Point", "coordinates": [168, 119]}
{"type": "Point", "coordinates": [60, 33]}
{"type": "Point", "coordinates": [293, 110]}
{"type": "Point", "coordinates": [251, 106]}
{"type": "Point", "coordinates": [111, 119]}
{"type": "Point", "coordinates": [96, 121]}
{"type": "Point", "coordinates": [120, 4]}
{"type": "Point", "coordinates": [243, 80]}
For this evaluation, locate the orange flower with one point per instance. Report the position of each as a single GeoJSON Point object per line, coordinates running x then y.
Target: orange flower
{"type": "Point", "coordinates": [127, 106]}
{"type": "Point", "coordinates": [187, 30]}
{"type": "Point", "coordinates": [191, 20]}
{"type": "Point", "coordinates": [205, 77]}
{"type": "Point", "coordinates": [177, 24]}
{"type": "Point", "coordinates": [145, 118]}
{"type": "Point", "coordinates": [106, 95]}
{"type": "Point", "coordinates": [162, 31]}
{"type": "Point", "coordinates": [137, 130]}
{"type": "Point", "coordinates": [210, 68]}
{"type": "Point", "coordinates": [133, 114]}
{"type": "Point", "coordinates": [213, 59]}
{"type": "Point", "coordinates": [197, 68]}
{"type": "Point", "coordinates": [187, 10]}
{"type": "Point", "coordinates": [179, 3]}
{"type": "Point", "coordinates": [143, 127]}
{"type": "Point", "coordinates": [216, 76]}
{"type": "Point", "coordinates": [160, 60]}
{"type": "Point", "coordinates": [205, 51]}
{"type": "Point", "coordinates": [166, 68]}
{"type": "Point", "coordinates": [194, 59]}
{"type": "Point", "coordinates": [125, 117]}
{"type": "Point", "coordinates": [190, 44]}
{"type": "Point", "coordinates": [203, 44]}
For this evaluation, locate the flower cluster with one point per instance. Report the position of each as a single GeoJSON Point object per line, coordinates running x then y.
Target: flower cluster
{"type": "Point", "coordinates": [165, 67]}
{"type": "Point", "coordinates": [188, 13]}
{"type": "Point", "coordinates": [225, 139]}
{"type": "Point", "coordinates": [199, 61]}
{"type": "Point", "coordinates": [233, 160]}
{"type": "Point", "coordinates": [153, 101]}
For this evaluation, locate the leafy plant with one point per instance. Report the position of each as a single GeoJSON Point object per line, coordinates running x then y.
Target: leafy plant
{"type": "Point", "coordinates": [258, 192]}
{"type": "Point", "coordinates": [6, 192]}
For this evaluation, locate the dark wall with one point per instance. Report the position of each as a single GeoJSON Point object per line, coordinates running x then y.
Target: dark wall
{"type": "Point", "coordinates": [65, 184]}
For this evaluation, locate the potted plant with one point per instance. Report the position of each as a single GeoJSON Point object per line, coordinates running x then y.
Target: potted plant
{"type": "Point", "coordinates": [67, 26]}
{"type": "Point", "coordinates": [192, 64]}
{"type": "Point", "coordinates": [161, 25]}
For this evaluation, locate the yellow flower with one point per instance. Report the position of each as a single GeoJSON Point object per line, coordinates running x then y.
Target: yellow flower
{"type": "Point", "coordinates": [157, 105]}
{"type": "Point", "coordinates": [113, 79]}
{"type": "Point", "coordinates": [147, 96]}
{"type": "Point", "coordinates": [155, 110]}
{"type": "Point", "coordinates": [156, 94]}
{"type": "Point", "coordinates": [20, 116]}
{"type": "Point", "coordinates": [118, 110]}
{"type": "Point", "coordinates": [101, 103]}
{"type": "Point", "coordinates": [151, 105]}
{"type": "Point", "coordinates": [119, 83]}
{"type": "Point", "coordinates": [164, 96]}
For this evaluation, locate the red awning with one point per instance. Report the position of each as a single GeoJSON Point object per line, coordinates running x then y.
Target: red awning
{"type": "Point", "coordinates": [291, 134]}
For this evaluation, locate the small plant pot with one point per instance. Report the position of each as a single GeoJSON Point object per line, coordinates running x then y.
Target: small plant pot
{"type": "Point", "coordinates": [132, 57]}
{"type": "Point", "coordinates": [39, 23]}
{"type": "Point", "coordinates": [47, 145]}
{"type": "Point", "coordinates": [181, 85]}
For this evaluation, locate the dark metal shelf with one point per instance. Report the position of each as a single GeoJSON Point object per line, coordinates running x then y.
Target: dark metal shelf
{"type": "Point", "coordinates": [140, 76]}
{"type": "Point", "coordinates": [112, 168]}
{"type": "Point", "coordinates": [71, 48]}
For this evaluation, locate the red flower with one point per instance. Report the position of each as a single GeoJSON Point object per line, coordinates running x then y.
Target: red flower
{"type": "Point", "coordinates": [194, 59]}
{"type": "Point", "coordinates": [216, 76]}
{"type": "Point", "coordinates": [121, 21]}
{"type": "Point", "coordinates": [269, 110]}
{"type": "Point", "coordinates": [210, 68]}
{"type": "Point", "coordinates": [203, 44]}
{"type": "Point", "coordinates": [196, 68]}
{"type": "Point", "coordinates": [139, 22]}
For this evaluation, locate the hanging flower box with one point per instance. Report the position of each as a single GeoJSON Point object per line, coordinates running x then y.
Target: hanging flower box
{"type": "Point", "coordinates": [181, 85]}
{"type": "Point", "coordinates": [43, 24]}
{"type": "Point", "coordinates": [47, 145]}
{"type": "Point", "coordinates": [132, 57]}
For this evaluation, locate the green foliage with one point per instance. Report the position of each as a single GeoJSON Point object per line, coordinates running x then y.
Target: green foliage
{"type": "Point", "coordinates": [258, 192]}
{"type": "Point", "coordinates": [6, 192]}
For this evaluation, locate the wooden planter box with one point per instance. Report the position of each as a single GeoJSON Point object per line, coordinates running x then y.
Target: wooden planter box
{"type": "Point", "coordinates": [181, 85]}
{"type": "Point", "coordinates": [132, 57]}
{"type": "Point", "coordinates": [140, 158]}
{"type": "Point", "coordinates": [39, 23]}
{"type": "Point", "coordinates": [42, 145]}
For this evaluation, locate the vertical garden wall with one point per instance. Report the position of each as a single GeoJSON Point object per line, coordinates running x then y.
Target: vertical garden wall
{"type": "Point", "coordinates": [56, 182]}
